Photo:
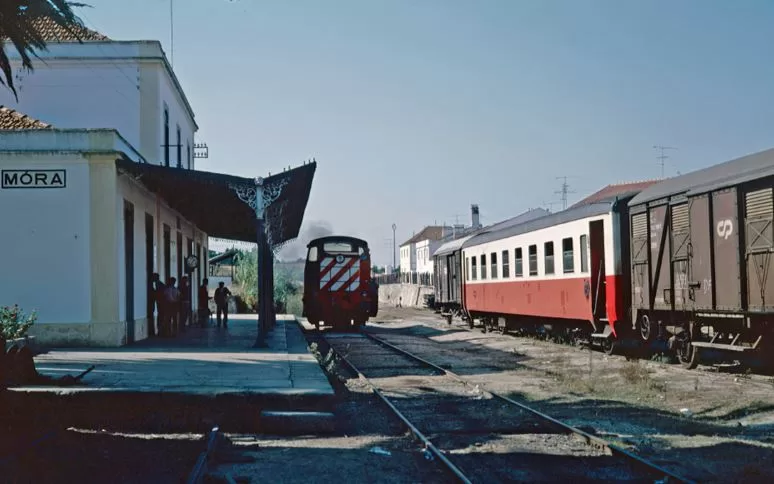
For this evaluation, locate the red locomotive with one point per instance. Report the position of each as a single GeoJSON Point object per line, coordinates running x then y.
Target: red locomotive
{"type": "Point", "coordinates": [338, 288]}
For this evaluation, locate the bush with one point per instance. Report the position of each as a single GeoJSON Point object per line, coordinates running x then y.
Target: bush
{"type": "Point", "coordinates": [14, 323]}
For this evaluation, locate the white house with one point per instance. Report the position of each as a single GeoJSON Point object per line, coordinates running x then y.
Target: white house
{"type": "Point", "coordinates": [100, 83]}
{"type": "Point", "coordinates": [416, 253]}
{"type": "Point", "coordinates": [82, 238]}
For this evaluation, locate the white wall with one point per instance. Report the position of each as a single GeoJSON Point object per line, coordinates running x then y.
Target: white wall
{"type": "Point", "coordinates": [119, 85]}
{"type": "Point", "coordinates": [408, 258]}
{"type": "Point", "coordinates": [146, 202]}
{"type": "Point", "coordinates": [45, 241]}
{"type": "Point", "coordinates": [424, 261]}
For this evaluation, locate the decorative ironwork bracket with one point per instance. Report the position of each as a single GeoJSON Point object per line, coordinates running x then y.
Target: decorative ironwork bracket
{"type": "Point", "coordinates": [259, 196]}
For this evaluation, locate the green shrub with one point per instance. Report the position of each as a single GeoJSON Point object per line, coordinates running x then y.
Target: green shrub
{"type": "Point", "coordinates": [14, 323]}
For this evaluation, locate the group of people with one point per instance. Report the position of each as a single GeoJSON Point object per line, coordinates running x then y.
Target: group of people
{"type": "Point", "coordinates": [173, 305]}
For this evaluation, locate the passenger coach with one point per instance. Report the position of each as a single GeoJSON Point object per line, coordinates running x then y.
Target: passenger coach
{"type": "Point", "coordinates": [563, 273]}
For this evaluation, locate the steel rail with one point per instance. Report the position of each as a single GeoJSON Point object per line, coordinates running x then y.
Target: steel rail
{"type": "Point", "coordinates": [415, 431]}
{"type": "Point", "coordinates": [200, 469]}
{"type": "Point", "coordinates": [590, 439]}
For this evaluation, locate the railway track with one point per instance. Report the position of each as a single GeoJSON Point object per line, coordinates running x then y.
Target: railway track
{"type": "Point", "coordinates": [478, 435]}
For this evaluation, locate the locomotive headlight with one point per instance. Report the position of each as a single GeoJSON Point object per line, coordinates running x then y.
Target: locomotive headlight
{"type": "Point", "coordinates": [364, 293]}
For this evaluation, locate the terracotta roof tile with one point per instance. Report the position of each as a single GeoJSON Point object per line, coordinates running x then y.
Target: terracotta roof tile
{"type": "Point", "coordinates": [53, 32]}
{"type": "Point", "coordinates": [431, 232]}
{"type": "Point", "coordinates": [11, 119]}
{"type": "Point", "coordinates": [616, 189]}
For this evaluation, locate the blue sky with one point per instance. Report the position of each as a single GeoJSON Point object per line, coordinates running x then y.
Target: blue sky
{"type": "Point", "coordinates": [416, 109]}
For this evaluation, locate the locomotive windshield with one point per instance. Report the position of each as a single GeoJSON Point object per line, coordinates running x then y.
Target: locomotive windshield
{"type": "Point", "coordinates": [338, 247]}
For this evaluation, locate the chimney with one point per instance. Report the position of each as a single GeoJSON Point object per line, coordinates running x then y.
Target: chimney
{"type": "Point", "coordinates": [475, 219]}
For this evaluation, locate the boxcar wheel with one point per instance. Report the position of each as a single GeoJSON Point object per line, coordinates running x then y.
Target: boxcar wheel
{"type": "Point", "coordinates": [646, 327]}
{"type": "Point", "coordinates": [609, 345]}
{"type": "Point", "coordinates": [688, 354]}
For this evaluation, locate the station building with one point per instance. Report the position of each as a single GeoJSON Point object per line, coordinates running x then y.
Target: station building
{"type": "Point", "coordinates": [98, 190]}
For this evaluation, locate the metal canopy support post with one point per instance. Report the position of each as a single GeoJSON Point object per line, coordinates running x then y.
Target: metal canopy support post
{"type": "Point", "coordinates": [259, 197]}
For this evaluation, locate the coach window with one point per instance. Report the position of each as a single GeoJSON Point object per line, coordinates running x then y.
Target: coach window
{"type": "Point", "coordinates": [506, 268]}
{"type": "Point", "coordinates": [584, 254]}
{"type": "Point", "coordinates": [533, 260]}
{"type": "Point", "coordinates": [467, 268]}
{"type": "Point", "coordinates": [473, 271]}
{"type": "Point", "coordinates": [519, 269]}
{"type": "Point", "coordinates": [548, 248]}
{"type": "Point", "coordinates": [568, 257]}
{"type": "Point", "coordinates": [483, 266]}
{"type": "Point", "coordinates": [312, 254]}
{"type": "Point", "coordinates": [493, 262]}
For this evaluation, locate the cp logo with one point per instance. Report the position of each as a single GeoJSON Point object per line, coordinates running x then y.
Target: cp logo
{"type": "Point", "coordinates": [725, 228]}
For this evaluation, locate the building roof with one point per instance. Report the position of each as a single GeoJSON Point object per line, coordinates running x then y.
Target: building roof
{"type": "Point", "coordinates": [616, 189]}
{"type": "Point", "coordinates": [739, 170]}
{"type": "Point", "coordinates": [10, 119]}
{"type": "Point", "coordinates": [53, 32]}
{"type": "Point", "coordinates": [431, 232]}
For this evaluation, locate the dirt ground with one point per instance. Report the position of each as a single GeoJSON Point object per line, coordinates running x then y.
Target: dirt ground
{"type": "Point", "coordinates": [703, 424]}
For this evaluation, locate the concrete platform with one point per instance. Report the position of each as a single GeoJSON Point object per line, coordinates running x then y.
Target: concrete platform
{"type": "Point", "coordinates": [201, 369]}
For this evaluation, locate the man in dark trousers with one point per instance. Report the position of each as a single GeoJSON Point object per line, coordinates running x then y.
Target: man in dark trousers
{"type": "Point", "coordinates": [221, 301]}
{"type": "Point", "coordinates": [204, 303]}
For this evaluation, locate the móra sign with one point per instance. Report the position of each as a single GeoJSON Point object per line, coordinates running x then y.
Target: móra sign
{"type": "Point", "coordinates": [33, 178]}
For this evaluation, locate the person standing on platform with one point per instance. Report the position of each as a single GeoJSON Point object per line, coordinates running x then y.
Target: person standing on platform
{"type": "Point", "coordinates": [158, 290]}
{"type": "Point", "coordinates": [204, 303]}
{"type": "Point", "coordinates": [185, 302]}
{"type": "Point", "coordinates": [221, 301]}
{"type": "Point", "coordinates": [173, 307]}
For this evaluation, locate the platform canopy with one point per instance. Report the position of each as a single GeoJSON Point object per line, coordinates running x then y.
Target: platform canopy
{"type": "Point", "coordinates": [217, 203]}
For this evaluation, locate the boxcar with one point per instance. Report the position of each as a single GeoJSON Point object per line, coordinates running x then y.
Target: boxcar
{"type": "Point", "coordinates": [338, 288]}
{"type": "Point", "coordinates": [702, 246]}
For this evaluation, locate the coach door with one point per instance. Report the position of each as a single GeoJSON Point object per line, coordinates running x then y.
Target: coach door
{"type": "Point", "coordinates": [453, 265]}
{"type": "Point", "coordinates": [598, 287]}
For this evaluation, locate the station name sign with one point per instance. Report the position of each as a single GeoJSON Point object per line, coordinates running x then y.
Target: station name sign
{"type": "Point", "coordinates": [33, 178]}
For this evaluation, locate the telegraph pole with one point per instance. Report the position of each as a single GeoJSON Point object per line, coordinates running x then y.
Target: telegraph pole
{"type": "Point", "coordinates": [662, 157]}
{"type": "Point", "coordinates": [393, 247]}
{"type": "Point", "coordinates": [564, 191]}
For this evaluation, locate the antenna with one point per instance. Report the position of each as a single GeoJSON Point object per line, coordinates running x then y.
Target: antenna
{"type": "Point", "coordinates": [172, 32]}
{"type": "Point", "coordinates": [564, 191]}
{"type": "Point", "coordinates": [662, 157]}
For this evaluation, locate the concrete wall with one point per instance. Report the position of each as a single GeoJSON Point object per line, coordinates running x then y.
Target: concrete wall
{"type": "Point", "coordinates": [409, 295]}
{"type": "Point", "coordinates": [46, 240]}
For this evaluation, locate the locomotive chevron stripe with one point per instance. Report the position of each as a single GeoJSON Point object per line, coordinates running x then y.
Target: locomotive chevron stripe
{"type": "Point", "coordinates": [347, 285]}
{"type": "Point", "coordinates": [326, 265]}
{"type": "Point", "coordinates": [343, 269]}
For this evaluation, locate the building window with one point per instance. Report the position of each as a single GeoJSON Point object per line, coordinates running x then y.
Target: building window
{"type": "Point", "coordinates": [584, 254]}
{"type": "Point", "coordinates": [474, 271]}
{"type": "Point", "coordinates": [568, 256]}
{"type": "Point", "coordinates": [493, 256]}
{"type": "Point", "coordinates": [179, 146]}
{"type": "Point", "coordinates": [548, 255]}
{"type": "Point", "coordinates": [166, 136]}
{"type": "Point", "coordinates": [483, 266]}
{"type": "Point", "coordinates": [506, 267]}
{"type": "Point", "coordinates": [188, 153]}
{"type": "Point", "coordinates": [532, 252]}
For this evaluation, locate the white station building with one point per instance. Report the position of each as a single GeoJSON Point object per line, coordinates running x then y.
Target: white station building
{"type": "Point", "coordinates": [98, 189]}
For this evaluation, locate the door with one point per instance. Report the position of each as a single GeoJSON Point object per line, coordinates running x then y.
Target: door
{"type": "Point", "coordinates": [681, 240]}
{"type": "Point", "coordinates": [179, 257]}
{"type": "Point", "coordinates": [598, 283]}
{"type": "Point", "coordinates": [129, 269]}
{"type": "Point", "coordinates": [167, 255]}
{"type": "Point", "coordinates": [640, 252]}
{"type": "Point", "coordinates": [149, 229]}
{"type": "Point", "coordinates": [759, 237]}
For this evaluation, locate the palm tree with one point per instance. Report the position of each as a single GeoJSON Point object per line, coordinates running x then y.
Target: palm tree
{"type": "Point", "coordinates": [18, 19]}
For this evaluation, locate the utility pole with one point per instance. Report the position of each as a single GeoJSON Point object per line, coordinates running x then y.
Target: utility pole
{"type": "Point", "coordinates": [662, 157]}
{"type": "Point", "coordinates": [564, 191]}
{"type": "Point", "coordinates": [393, 247]}
{"type": "Point", "coordinates": [172, 33]}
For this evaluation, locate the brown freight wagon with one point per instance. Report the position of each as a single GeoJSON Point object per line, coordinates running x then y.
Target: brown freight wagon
{"type": "Point", "coordinates": [701, 265]}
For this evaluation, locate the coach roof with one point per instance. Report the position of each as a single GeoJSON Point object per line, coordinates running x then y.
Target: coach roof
{"type": "Point", "coordinates": [456, 244]}
{"type": "Point", "coordinates": [600, 207]}
{"type": "Point", "coordinates": [739, 170]}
